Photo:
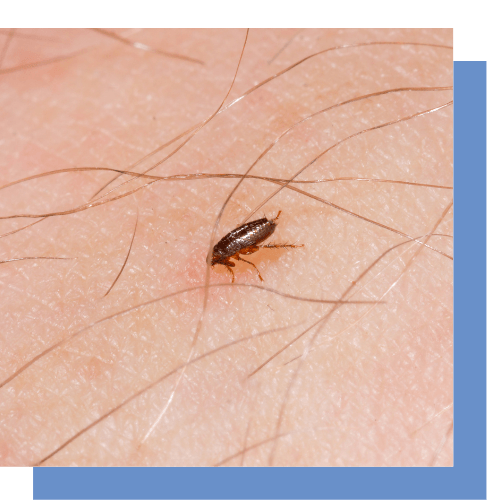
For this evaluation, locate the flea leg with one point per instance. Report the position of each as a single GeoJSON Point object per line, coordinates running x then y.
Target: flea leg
{"type": "Point", "coordinates": [281, 245]}
{"type": "Point", "coordinates": [230, 270]}
{"type": "Point", "coordinates": [228, 265]}
{"type": "Point", "coordinates": [277, 217]}
{"type": "Point", "coordinates": [251, 263]}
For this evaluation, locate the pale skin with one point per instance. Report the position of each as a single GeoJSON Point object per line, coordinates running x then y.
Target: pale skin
{"type": "Point", "coordinates": [370, 386]}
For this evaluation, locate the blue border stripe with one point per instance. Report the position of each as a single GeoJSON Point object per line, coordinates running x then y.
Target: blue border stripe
{"type": "Point", "coordinates": [470, 270]}
{"type": "Point", "coordinates": [467, 479]}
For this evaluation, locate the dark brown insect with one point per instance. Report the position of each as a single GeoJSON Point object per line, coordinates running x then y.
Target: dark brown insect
{"type": "Point", "coordinates": [245, 240]}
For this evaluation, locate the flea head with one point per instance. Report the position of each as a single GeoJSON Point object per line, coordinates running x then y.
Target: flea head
{"type": "Point", "coordinates": [214, 258]}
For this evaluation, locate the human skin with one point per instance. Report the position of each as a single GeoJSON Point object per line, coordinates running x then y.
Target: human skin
{"type": "Point", "coordinates": [369, 386]}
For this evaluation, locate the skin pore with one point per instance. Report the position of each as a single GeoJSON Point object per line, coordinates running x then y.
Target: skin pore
{"type": "Point", "coordinates": [371, 385]}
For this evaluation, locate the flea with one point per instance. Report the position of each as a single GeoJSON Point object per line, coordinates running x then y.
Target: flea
{"type": "Point", "coordinates": [245, 240]}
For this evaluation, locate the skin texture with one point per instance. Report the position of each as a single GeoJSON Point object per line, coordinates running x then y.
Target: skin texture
{"type": "Point", "coordinates": [371, 386]}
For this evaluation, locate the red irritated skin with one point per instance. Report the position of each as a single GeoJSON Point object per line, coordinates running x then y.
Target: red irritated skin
{"type": "Point", "coordinates": [245, 240]}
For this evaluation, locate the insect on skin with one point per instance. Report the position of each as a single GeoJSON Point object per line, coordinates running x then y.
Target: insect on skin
{"type": "Point", "coordinates": [245, 240]}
